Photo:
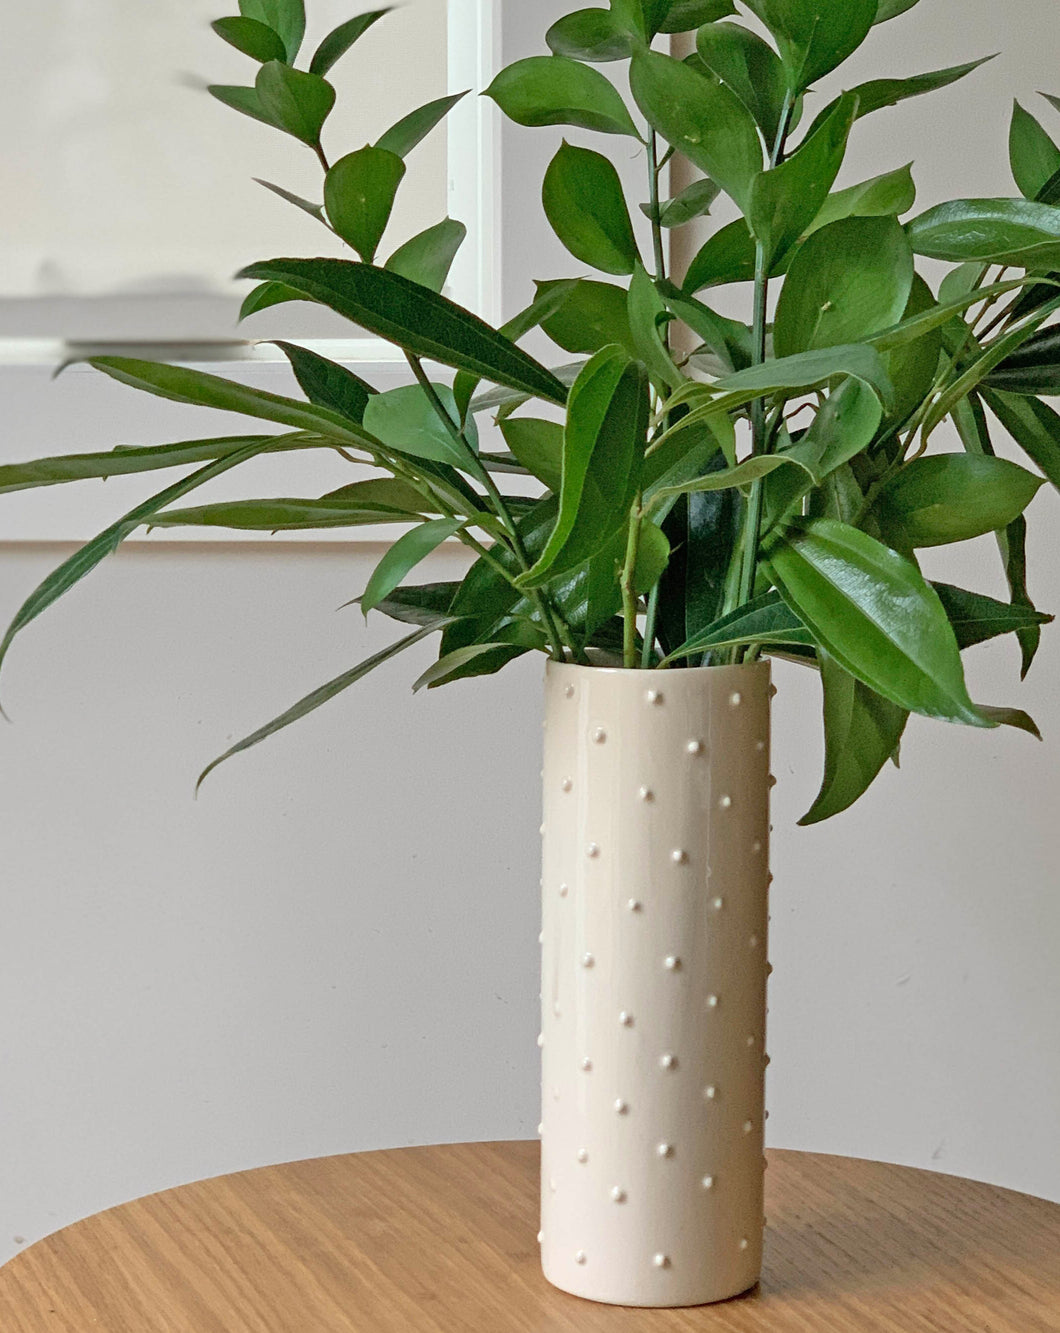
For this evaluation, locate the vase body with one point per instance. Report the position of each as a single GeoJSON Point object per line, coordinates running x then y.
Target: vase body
{"type": "Point", "coordinates": [655, 886]}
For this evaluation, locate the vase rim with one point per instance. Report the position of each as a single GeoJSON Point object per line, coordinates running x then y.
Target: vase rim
{"type": "Point", "coordinates": [762, 665]}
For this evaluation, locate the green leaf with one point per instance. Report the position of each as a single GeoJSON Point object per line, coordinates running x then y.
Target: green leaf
{"type": "Point", "coordinates": [477, 659]}
{"type": "Point", "coordinates": [813, 38]}
{"type": "Point", "coordinates": [359, 193]}
{"type": "Point", "coordinates": [410, 130]}
{"type": "Point", "coordinates": [254, 39]}
{"type": "Point", "coordinates": [810, 370]}
{"type": "Point", "coordinates": [786, 199]}
{"type": "Point", "coordinates": [764, 620]}
{"type": "Point", "coordinates": [1034, 368]}
{"type": "Point", "coordinates": [418, 320]}
{"type": "Point", "coordinates": [405, 555]}
{"type": "Point", "coordinates": [843, 427]}
{"type": "Point", "coordinates": [728, 256]}
{"type": "Point", "coordinates": [306, 205]}
{"type": "Point", "coordinates": [686, 15]}
{"type": "Point", "coordinates": [603, 452]}
{"type": "Point", "coordinates": [244, 100]}
{"type": "Point", "coordinates": [294, 101]}
{"type": "Point", "coordinates": [425, 604]}
{"type": "Point", "coordinates": [427, 258]}
{"type": "Point", "coordinates": [873, 612]}
{"type": "Point", "coordinates": [889, 195]}
{"type": "Point", "coordinates": [849, 280]}
{"type": "Point", "coordinates": [340, 39]}
{"type": "Point", "coordinates": [280, 514]}
{"type": "Point", "coordinates": [84, 560]}
{"type": "Point", "coordinates": [125, 461]}
{"type": "Point", "coordinates": [1010, 231]}
{"type": "Point", "coordinates": [327, 384]}
{"type": "Point", "coordinates": [1033, 425]}
{"type": "Point", "coordinates": [862, 731]}
{"type": "Point", "coordinates": [591, 316]}
{"type": "Point", "coordinates": [693, 202]}
{"type": "Point", "coordinates": [1035, 159]}
{"type": "Point", "coordinates": [264, 295]}
{"type": "Point", "coordinates": [749, 67]}
{"type": "Point", "coordinates": [729, 340]}
{"type": "Point", "coordinates": [583, 201]}
{"type": "Point", "coordinates": [976, 618]}
{"type": "Point", "coordinates": [702, 119]}
{"type": "Point", "coordinates": [951, 498]}
{"type": "Point", "coordinates": [316, 698]}
{"type": "Point", "coordinates": [912, 367]}
{"type": "Point", "coordinates": [285, 17]}
{"type": "Point", "coordinates": [553, 90]}
{"type": "Point", "coordinates": [752, 469]}
{"type": "Point", "coordinates": [405, 419]}
{"type": "Point", "coordinates": [181, 384]}
{"type": "Point", "coordinates": [538, 445]}
{"type": "Point", "coordinates": [890, 9]}
{"type": "Point", "coordinates": [589, 34]}
{"type": "Point", "coordinates": [647, 314]}
{"type": "Point", "coordinates": [881, 93]}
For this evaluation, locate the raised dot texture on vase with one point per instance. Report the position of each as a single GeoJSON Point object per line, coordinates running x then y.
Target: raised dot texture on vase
{"type": "Point", "coordinates": [540, 1128]}
{"type": "Point", "coordinates": [541, 1039]}
{"type": "Point", "coordinates": [766, 1061]}
{"type": "Point", "coordinates": [756, 847]}
{"type": "Point", "coordinates": [566, 784]}
{"type": "Point", "coordinates": [569, 691]}
{"type": "Point", "coordinates": [748, 1126]}
{"type": "Point", "coordinates": [750, 1042]}
{"type": "Point", "coordinates": [744, 1242]}
{"type": "Point", "coordinates": [580, 1257]}
{"type": "Point", "coordinates": [769, 969]}
{"type": "Point", "coordinates": [665, 1150]}
{"type": "Point", "coordinates": [771, 781]}
{"type": "Point", "coordinates": [540, 1237]}
{"type": "Point", "coordinates": [599, 736]}
{"type": "Point", "coordinates": [672, 963]}
{"type": "Point", "coordinates": [552, 1183]}
{"type": "Point", "coordinates": [668, 1061]}
{"type": "Point", "coordinates": [563, 890]}
{"type": "Point", "coordinates": [541, 937]}
{"type": "Point", "coordinates": [710, 1092]}
{"type": "Point", "coordinates": [694, 747]}
{"type": "Point", "coordinates": [752, 942]}
{"type": "Point", "coordinates": [712, 1002]}
{"type": "Point", "coordinates": [618, 1194]}
{"type": "Point", "coordinates": [621, 1107]}
{"type": "Point", "coordinates": [626, 1018]}
{"type": "Point", "coordinates": [583, 1155]}
{"type": "Point", "coordinates": [735, 699]}
{"type": "Point", "coordinates": [707, 1182]}
{"type": "Point", "coordinates": [588, 960]}
{"type": "Point", "coordinates": [725, 803]}
{"type": "Point", "coordinates": [592, 851]}
{"type": "Point", "coordinates": [654, 697]}
{"type": "Point", "coordinates": [772, 691]}
{"type": "Point", "coordinates": [717, 904]}
{"type": "Point", "coordinates": [646, 794]}
{"type": "Point", "coordinates": [587, 1065]}
{"type": "Point", "coordinates": [661, 1261]}
{"type": "Point", "coordinates": [760, 746]}
{"type": "Point", "coordinates": [541, 830]}
{"type": "Point", "coordinates": [635, 905]}
{"type": "Point", "coordinates": [679, 857]}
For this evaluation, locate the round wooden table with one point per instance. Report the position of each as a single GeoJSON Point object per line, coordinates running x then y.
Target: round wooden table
{"type": "Point", "coordinates": [442, 1240]}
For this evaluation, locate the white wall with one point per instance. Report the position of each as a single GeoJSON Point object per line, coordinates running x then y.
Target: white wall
{"type": "Point", "coordinates": [334, 948]}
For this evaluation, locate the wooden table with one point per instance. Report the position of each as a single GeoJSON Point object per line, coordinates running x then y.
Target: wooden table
{"type": "Point", "coordinates": [443, 1240]}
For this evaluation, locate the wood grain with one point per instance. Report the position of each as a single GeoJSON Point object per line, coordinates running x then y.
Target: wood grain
{"type": "Point", "coordinates": [442, 1240]}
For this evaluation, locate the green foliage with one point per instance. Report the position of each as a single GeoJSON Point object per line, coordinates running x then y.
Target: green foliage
{"type": "Point", "coordinates": [739, 487]}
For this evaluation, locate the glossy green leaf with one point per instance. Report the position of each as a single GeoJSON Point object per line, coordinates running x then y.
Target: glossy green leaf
{"type": "Point", "coordinates": [426, 259]}
{"type": "Point", "coordinates": [878, 94]}
{"type": "Point", "coordinates": [87, 557]}
{"type": "Point", "coordinates": [843, 427]}
{"type": "Point", "coordinates": [318, 697]}
{"type": "Point", "coordinates": [603, 453]}
{"type": "Point", "coordinates": [420, 321]}
{"type": "Point", "coordinates": [359, 193]}
{"type": "Point", "coordinates": [294, 100]}
{"type": "Point", "coordinates": [264, 296]}
{"type": "Point", "coordinates": [647, 319]}
{"type": "Point", "coordinates": [976, 618]}
{"type": "Point", "coordinates": [1033, 156]}
{"type": "Point", "coordinates": [702, 119]}
{"type": "Point", "coordinates": [813, 38]}
{"type": "Point", "coordinates": [590, 316]}
{"type": "Point", "coordinates": [480, 659]}
{"type": "Point", "coordinates": [340, 39]}
{"type": "Point", "coordinates": [810, 370]}
{"type": "Point", "coordinates": [786, 199]}
{"type": "Point", "coordinates": [749, 67]}
{"type": "Point", "coordinates": [727, 256]}
{"type": "Point", "coordinates": [538, 445]}
{"type": "Point", "coordinates": [424, 604]}
{"type": "Point", "coordinates": [405, 419]}
{"type": "Point", "coordinates": [253, 38]}
{"type": "Point", "coordinates": [125, 461]}
{"type": "Point", "coordinates": [181, 384]}
{"type": "Point", "coordinates": [912, 367]}
{"type": "Point", "coordinates": [405, 554]}
{"type": "Point", "coordinates": [765, 620]}
{"type": "Point", "coordinates": [848, 280]}
{"type": "Point", "coordinates": [948, 498]}
{"type": "Point", "coordinates": [412, 129]}
{"type": "Point", "coordinates": [281, 514]}
{"type": "Point", "coordinates": [583, 201]}
{"type": "Point", "coordinates": [889, 195]}
{"type": "Point", "coordinates": [694, 201]}
{"type": "Point", "coordinates": [1010, 231]}
{"type": "Point", "coordinates": [727, 339]}
{"type": "Point", "coordinates": [244, 100]}
{"type": "Point", "coordinates": [862, 731]}
{"type": "Point", "coordinates": [285, 17]}
{"type": "Point", "coordinates": [590, 34]}
{"type": "Point", "coordinates": [742, 475]}
{"type": "Point", "coordinates": [1033, 368]}
{"type": "Point", "coordinates": [327, 384]}
{"type": "Point", "coordinates": [1033, 425]}
{"type": "Point", "coordinates": [553, 90]}
{"type": "Point", "coordinates": [890, 9]}
{"type": "Point", "coordinates": [873, 612]}
{"type": "Point", "coordinates": [306, 205]}
{"type": "Point", "coordinates": [686, 15]}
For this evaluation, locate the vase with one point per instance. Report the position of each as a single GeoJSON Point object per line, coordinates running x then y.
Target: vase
{"type": "Point", "coordinates": [655, 908]}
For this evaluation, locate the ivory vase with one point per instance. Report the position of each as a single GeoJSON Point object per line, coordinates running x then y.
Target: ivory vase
{"type": "Point", "coordinates": [655, 909]}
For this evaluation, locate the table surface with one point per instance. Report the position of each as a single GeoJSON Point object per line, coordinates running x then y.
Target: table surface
{"type": "Point", "coordinates": [442, 1240]}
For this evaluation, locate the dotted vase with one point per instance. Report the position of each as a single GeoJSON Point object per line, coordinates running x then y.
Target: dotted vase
{"type": "Point", "coordinates": [655, 908]}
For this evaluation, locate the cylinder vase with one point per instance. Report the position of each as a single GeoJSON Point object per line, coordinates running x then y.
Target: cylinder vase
{"type": "Point", "coordinates": [655, 908]}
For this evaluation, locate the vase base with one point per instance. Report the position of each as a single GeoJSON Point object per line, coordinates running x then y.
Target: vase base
{"type": "Point", "coordinates": [701, 1294]}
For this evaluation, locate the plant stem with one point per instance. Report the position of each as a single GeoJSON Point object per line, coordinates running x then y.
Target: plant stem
{"type": "Point", "coordinates": [649, 628]}
{"type": "Point", "coordinates": [629, 595]}
{"type": "Point", "coordinates": [321, 158]}
{"type": "Point", "coordinates": [539, 600]}
{"type": "Point", "coordinates": [656, 229]}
